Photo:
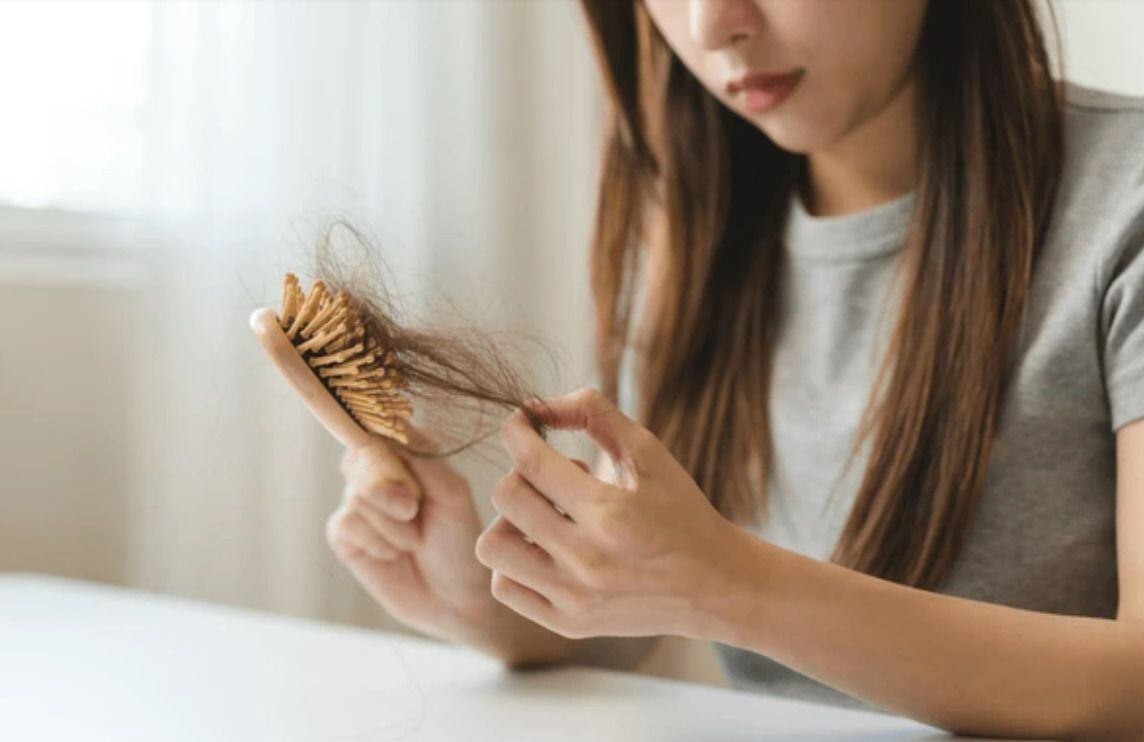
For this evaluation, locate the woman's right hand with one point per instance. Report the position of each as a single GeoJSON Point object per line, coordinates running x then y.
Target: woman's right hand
{"type": "Point", "coordinates": [414, 557]}
{"type": "Point", "coordinates": [417, 560]}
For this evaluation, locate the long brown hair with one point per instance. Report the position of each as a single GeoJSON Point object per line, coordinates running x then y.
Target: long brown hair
{"type": "Point", "coordinates": [705, 194]}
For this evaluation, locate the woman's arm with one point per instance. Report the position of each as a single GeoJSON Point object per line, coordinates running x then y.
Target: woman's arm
{"type": "Point", "coordinates": [650, 555]}
{"type": "Point", "coordinates": [967, 666]}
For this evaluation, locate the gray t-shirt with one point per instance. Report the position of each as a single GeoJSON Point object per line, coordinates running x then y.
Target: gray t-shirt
{"type": "Point", "coordinates": [1043, 537]}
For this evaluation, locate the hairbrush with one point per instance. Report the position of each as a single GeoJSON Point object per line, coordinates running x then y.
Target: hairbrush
{"type": "Point", "coordinates": [348, 380]}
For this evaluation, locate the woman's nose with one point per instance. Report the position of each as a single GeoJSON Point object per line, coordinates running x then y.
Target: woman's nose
{"type": "Point", "coordinates": [715, 24]}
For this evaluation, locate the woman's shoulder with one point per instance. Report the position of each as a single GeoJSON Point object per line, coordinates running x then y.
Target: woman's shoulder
{"type": "Point", "coordinates": [1101, 199]}
{"type": "Point", "coordinates": [1096, 244]}
{"type": "Point", "coordinates": [1104, 136]}
{"type": "Point", "coordinates": [1080, 97]}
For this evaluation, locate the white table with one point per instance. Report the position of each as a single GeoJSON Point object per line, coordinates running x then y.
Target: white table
{"type": "Point", "coordinates": [80, 661]}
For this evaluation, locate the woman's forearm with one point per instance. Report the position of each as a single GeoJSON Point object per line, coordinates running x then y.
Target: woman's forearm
{"type": "Point", "coordinates": [963, 665]}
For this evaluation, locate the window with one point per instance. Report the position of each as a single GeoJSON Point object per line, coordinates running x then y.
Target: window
{"type": "Point", "coordinates": [75, 83]}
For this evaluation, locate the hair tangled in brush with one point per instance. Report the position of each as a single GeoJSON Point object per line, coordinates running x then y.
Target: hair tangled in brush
{"type": "Point", "coordinates": [454, 376]}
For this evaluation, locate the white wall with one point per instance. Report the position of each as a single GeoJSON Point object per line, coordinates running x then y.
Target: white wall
{"type": "Point", "coordinates": [66, 407]}
{"type": "Point", "coordinates": [68, 394]}
{"type": "Point", "coordinates": [1103, 43]}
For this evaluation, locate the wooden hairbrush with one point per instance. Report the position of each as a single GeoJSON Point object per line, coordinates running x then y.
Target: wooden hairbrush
{"type": "Point", "coordinates": [344, 376]}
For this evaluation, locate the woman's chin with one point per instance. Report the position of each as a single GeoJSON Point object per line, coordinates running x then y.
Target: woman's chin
{"type": "Point", "coordinates": [791, 133]}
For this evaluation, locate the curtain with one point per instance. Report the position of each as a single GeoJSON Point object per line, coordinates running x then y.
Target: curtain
{"type": "Point", "coordinates": [460, 135]}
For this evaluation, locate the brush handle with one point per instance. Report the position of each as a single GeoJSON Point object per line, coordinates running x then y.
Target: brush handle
{"type": "Point", "coordinates": [316, 397]}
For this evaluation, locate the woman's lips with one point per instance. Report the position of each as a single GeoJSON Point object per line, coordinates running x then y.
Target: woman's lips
{"type": "Point", "coordinates": [761, 91]}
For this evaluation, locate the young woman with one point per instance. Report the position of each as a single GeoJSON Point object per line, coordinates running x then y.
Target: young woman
{"type": "Point", "coordinates": [880, 282]}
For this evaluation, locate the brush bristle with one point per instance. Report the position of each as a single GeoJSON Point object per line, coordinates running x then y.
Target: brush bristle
{"type": "Point", "coordinates": [363, 376]}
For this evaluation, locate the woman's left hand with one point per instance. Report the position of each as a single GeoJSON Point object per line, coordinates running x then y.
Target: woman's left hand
{"type": "Point", "coordinates": [632, 558]}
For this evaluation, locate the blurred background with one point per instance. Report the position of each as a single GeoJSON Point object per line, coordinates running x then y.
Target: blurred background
{"type": "Point", "coordinates": [163, 163]}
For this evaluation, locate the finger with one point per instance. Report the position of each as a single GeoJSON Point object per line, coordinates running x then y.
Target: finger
{"type": "Point", "coordinates": [502, 548]}
{"type": "Point", "coordinates": [357, 532]}
{"type": "Point", "coordinates": [394, 500]}
{"type": "Point", "coordinates": [589, 410]}
{"type": "Point", "coordinates": [405, 535]}
{"type": "Point", "coordinates": [522, 599]}
{"type": "Point", "coordinates": [380, 578]}
{"type": "Point", "coordinates": [346, 531]}
{"type": "Point", "coordinates": [438, 478]}
{"type": "Point", "coordinates": [377, 465]}
{"type": "Point", "coordinates": [532, 514]}
{"type": "Point", "coordinates": [552, 474]}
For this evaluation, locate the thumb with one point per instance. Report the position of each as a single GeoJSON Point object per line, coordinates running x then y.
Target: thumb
{"type": "Point", "coordinates": [439, 480]}
{"type": "Point", "coordinates": [589, 410]}
{"type": "Point", "coordinates": [373, 466]}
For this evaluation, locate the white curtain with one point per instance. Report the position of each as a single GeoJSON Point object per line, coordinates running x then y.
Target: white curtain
{"type": "Point", "coordinates": [460, 134]}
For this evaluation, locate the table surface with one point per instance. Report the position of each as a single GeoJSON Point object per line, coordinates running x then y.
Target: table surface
{"type": "Point", "coordinates": [80, 661]}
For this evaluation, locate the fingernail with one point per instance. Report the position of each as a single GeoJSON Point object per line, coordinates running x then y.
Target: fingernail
{"type": "Point", "coordinates": [401, 501]}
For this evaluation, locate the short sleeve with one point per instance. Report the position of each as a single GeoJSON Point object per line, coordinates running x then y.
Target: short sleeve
{"type": "Point", "coordinates": [1122, 322]}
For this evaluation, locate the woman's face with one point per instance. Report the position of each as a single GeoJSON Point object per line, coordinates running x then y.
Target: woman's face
{"type": "Point", "coordinates": [805, 72]}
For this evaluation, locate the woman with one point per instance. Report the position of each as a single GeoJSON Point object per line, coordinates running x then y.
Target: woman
{"type": "Point", "coordinates": [871, 256]}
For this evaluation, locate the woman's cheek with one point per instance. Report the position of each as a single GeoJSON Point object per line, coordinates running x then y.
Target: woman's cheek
{"type": "Point", "coordinates": [810, 120]}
